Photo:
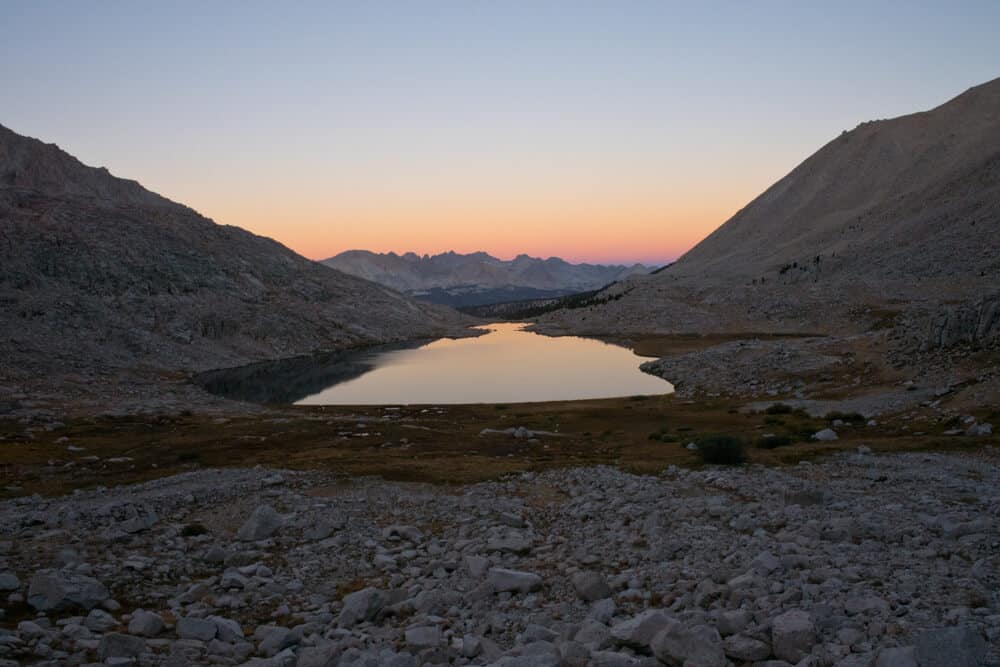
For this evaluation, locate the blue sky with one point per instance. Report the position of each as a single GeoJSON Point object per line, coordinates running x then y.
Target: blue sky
{"type": "Point", "coordinates": [601, 131]}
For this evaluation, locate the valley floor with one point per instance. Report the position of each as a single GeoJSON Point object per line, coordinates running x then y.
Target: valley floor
{"type": "Point", "coordinates": [573, 533]}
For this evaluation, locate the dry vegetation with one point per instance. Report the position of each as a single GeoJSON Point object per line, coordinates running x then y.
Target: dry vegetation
{"type": "Point", "coordinates": [437, 444]}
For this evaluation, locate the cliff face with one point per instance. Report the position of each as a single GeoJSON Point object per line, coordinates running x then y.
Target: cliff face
{"type": "Point", "coordinates": [976, 323]}
{"type": "Point", "coordinates": [98, 274]}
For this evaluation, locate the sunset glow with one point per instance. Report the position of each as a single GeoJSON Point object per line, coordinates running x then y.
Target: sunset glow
{"type": "Point", "coordinates": [422, 128]}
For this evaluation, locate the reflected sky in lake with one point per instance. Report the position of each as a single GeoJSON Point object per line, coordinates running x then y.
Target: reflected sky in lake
{"type": "Point", "coordinates": [507, 365]}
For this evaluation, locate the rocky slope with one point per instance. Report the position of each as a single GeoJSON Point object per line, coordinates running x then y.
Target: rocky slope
{"type": "Point", "coordinates": [861, 560]}
{"type": "Point", "coordinates": [478, 278]}
{"type": "Point", "coordinates": [100, 276]}
{"type": "Point", "coordinates": [896, 221]}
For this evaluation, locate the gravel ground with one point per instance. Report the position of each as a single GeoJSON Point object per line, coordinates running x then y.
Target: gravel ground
{"type": "Point", "coordinates": [854, 560]}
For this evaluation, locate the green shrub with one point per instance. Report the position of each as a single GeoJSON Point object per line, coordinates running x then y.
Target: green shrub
{"type": "Point", "coordinates": [662, 435]}
{"type": "Point", "coordinates": [845, 416]}
{"type": "Point", "coordinates": [772, 441]}
{"type": "Point", "coordinates": [779, 409]}
{"type": "Point", "coordinates": [192, 529]}
{"type": "Point", "coordinates": [721, 449]}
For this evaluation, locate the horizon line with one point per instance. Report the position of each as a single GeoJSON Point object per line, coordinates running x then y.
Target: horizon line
{"type": "Point", "coordinates": [659, 262]}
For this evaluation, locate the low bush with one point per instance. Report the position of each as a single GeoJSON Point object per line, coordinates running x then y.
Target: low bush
{"type": "Point", "coordinates": [721, 449]}
{"type": "Point", "coordinates": [845, 416]}
{"type": "Point", "coordinates": [773, 441]}
{"type": "Point", "coordinates": [662, 435]}
{"type": "Point", "coordinates": [193, 529]}
{"type": "Point", "coordinates": [779, 409]}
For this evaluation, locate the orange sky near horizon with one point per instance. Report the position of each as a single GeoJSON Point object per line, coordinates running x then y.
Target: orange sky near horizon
{"type": "Point", "coordinates": [585, 231]}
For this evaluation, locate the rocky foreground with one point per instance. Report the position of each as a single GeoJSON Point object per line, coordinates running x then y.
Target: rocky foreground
{"type": "Point", "coordinates": [856, 561]}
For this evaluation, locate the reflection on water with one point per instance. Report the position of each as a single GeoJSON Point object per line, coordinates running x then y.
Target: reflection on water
{"type": "Point", "coordinates": [290, 380]}
{"type": "Point", "coordinates": [507, 365]}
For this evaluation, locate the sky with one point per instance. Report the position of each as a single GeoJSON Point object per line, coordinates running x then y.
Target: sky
{"type": "Point", "coordinates": [595, 131]}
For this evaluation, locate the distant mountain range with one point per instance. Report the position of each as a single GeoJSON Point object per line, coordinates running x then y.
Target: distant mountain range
{"type": "Point", "coordinates": [478, 278]}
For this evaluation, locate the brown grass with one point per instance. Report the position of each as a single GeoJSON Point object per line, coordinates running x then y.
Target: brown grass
{"type": "Point", "coordinates": [445, 449]}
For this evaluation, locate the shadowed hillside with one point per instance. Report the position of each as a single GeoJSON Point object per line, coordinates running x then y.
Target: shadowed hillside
{"type": "Point", "coordinates": [895, 221]}
{"type": "Point", "coordinates": [98, 274]}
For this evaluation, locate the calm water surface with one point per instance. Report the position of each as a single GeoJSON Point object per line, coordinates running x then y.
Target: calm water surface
{"type": "Point", "coordinates": [506, 365]}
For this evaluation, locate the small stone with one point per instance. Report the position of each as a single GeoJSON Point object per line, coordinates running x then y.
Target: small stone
{"type": "Point", "coordinates": [980, 429]}
{"type": "Point", "coordinates": [9, 582]}
{"type": "Point", "coordinates": [423, 637]}
{"type": "Point", "coordinates": [741, 647]}
{"type": "Point", "coordinates": [902, 656]}
{"type": "Point", "coordinates": [639, 631]}
{"type": "Point", "coordinates": [700, 645]}
{"type": "Point", "coordinates": [825, 435]}
{"type": "Point", "coordinates": [226, 629]}
{"type": "Point", "coordinates": [99, 620]}
{"type": "Point", "coordinates": [275, 640]}
{"type": "Point", "coordinates": [190, 627]}
{"type": "Point", "coordinates": [472, 646]}
{"type": "Point", "coordinates": [477, 566]}
{"type": "Point", "coordinates": [504, 581]}
{"type": "Point", "coordinates": [950, 647]}
{"type": "Point", "coordinates": [262, 524]}
{"type": "Point", "coordinates": [52, 590]}
{"type": "Point", "coordinates": [591, 586]}
{"type": "Point", "coordinates": [865, 604]}
{"type": "Point", "coordinates": [793, 635]}
{"type": "Point", "coordinates": [361, 606]}
{"type": "Point", "coordinates": [145, 624]}
{"type": "Point", "coordinates": [408, 533]}
{"type": "Point", "coordinates": [515, 544]}
{"type": "Point", "coordinates": [603, 611]}
{"type": "Point", "coordinates": [118, 645]}
{"type": "Point", "coordinates": [733, 622]}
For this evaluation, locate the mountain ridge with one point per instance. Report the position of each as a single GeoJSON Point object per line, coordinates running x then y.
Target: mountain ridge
{"type": "Point", "coordinates": [137, 281]}
{"type": "Point", "coordinates": [897, 216]}
{"type": "Point", "coordinates": [477, 278]}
